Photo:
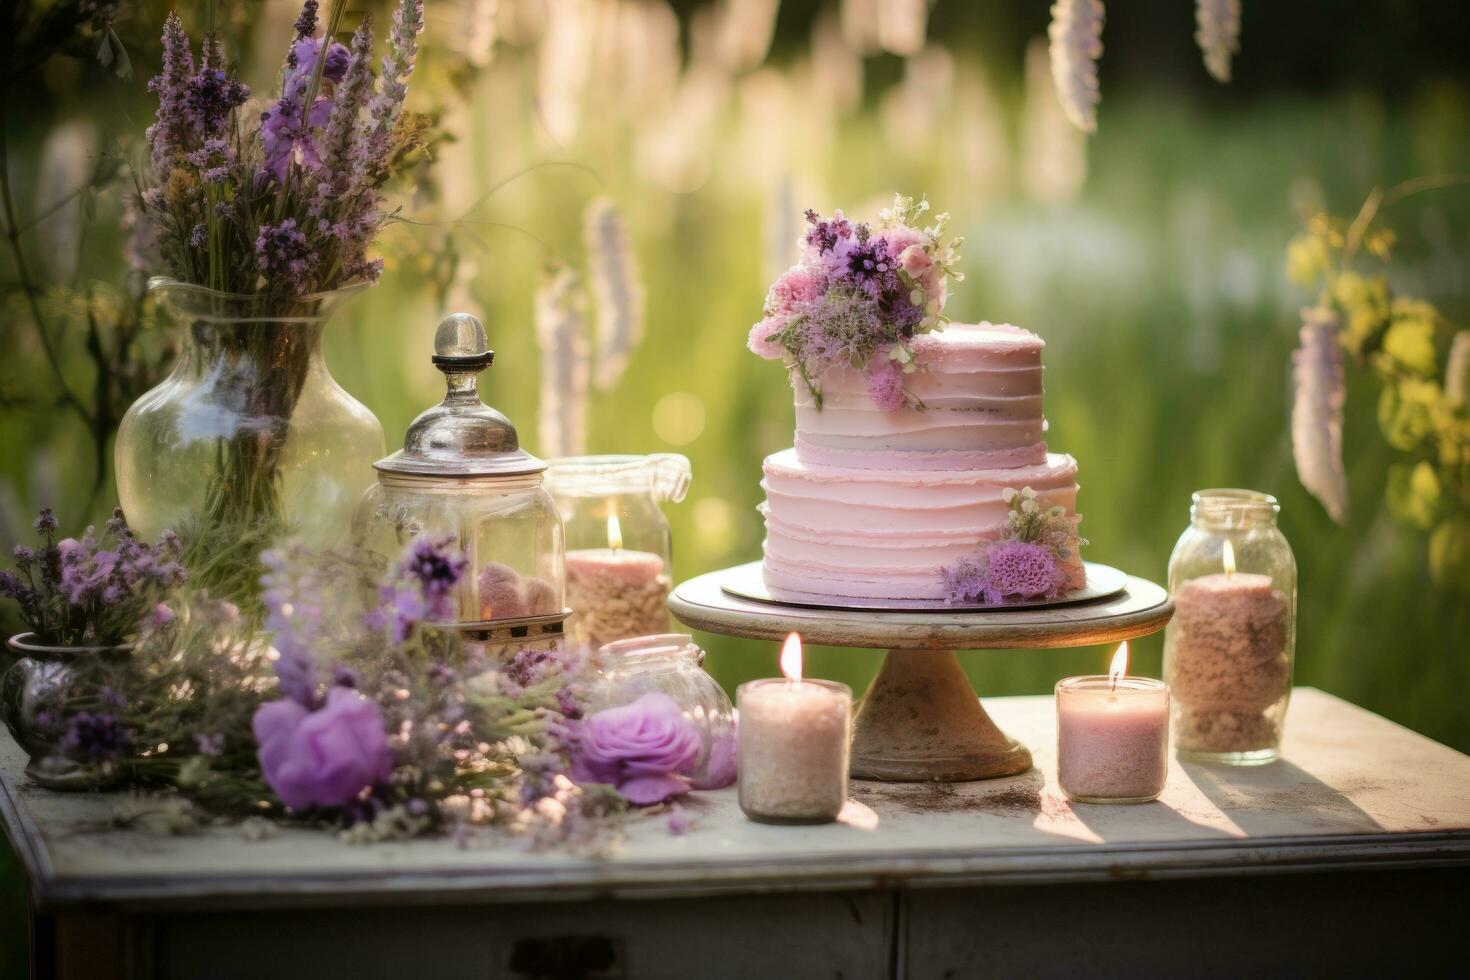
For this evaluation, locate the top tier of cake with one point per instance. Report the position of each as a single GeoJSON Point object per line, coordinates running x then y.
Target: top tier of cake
{"type": "Point", "coordinates": [980, 389]}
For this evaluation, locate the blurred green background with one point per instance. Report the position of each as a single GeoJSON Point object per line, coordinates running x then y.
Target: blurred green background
{"type": "Point", "coordinates": [1150, 256]}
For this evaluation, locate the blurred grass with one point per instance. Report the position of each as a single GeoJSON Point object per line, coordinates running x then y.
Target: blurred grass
{"type": "Point", "coordinates": [1160, 292]}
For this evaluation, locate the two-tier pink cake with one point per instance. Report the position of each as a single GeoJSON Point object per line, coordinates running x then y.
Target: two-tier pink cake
{"type": "Point", "coordinates": [874, 504]}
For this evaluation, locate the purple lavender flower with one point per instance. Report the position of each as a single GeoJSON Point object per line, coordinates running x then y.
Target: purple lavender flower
{"type": "Point", "coordinates": [437, 570]}
{"type": "Point", "coordinates": [291, 596]}
{"type": "Point", "coordinates": [282, 251]}
{"type": "Point", "coordinates": [387, 104]}
{"type": "Point", "coordinates": [166, 137]}
{"type": "Point", "coordinates": [93, 737]}
{"type": "Point", "coordinates": [325, 758]}
{"type": "Point", "coordinates": [306, 22]}
{"type": "Point", "coordinates": [645, 749]}
{"type": "Point", "coordinates": [421, 590]}
{"type": "Point", "coordinates": [46, 521]}
{"type": "Point", "coordinates": [209, 98]}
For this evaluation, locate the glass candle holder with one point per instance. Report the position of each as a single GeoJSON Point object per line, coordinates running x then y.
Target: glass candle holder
{"type": "Point", "coordinates": [1228, 651]}
{"type": "Point", "coordinates": [795, 738]}
{"type": "Point", "coordinates": [619, 554]}
{"type": "Point", "coordinates": [1112, 738]}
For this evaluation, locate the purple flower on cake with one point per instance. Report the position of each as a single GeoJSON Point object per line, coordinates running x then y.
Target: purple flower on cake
{"type": "Point", "coordinates": [325, 758]}
{"type": "Point", "coordinates": [857, 297]}
{"type": "Point", "coordinates": [1028, 563]}
{"type": "Point", "coordinates": [645, 749]}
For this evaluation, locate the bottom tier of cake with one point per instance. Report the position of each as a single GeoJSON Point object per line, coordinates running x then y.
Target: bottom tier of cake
{"type": "Point", "coordinates": [888, 533]}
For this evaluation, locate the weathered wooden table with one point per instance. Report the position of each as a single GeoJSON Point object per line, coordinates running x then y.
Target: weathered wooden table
{"type": "Point", "coordinates": [1347, 857]}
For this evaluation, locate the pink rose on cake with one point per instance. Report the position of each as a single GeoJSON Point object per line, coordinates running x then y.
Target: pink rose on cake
{"type": "Point", "coordinates": [859, 296]}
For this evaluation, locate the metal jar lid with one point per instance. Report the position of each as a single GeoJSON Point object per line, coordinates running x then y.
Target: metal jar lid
{"type": "Point", "coordinates": [461, 436]}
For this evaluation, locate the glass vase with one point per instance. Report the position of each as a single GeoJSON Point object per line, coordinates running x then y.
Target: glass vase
{"type": "Point", "coordinates": [250, 435]}
{"type": "Point", "coordinates": [1229, 650]}
{"type": "Point", "coordinates": [671, 664]}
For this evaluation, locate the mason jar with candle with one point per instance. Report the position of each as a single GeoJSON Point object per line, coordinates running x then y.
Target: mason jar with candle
{"type": "Point", "coordinates": [1229, 650]}
{"type": "Point", "coordinates": [619, 550]}
{"type": "Point", "coordinates": [463, 476]}
{"type": "Point", "coordinates": [795, 743]}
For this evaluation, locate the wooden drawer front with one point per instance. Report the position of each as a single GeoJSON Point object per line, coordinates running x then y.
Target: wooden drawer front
{"type": "Point", "coordinates": [817, 936]}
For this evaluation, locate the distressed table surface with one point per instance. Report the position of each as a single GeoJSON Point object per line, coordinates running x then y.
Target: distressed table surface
{"type": "Point", "coordinates": [1352, 790]}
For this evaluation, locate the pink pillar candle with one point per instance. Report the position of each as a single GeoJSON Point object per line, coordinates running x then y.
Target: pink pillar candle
{"type": "Point", "coordinates": [794, 743]}
{"type": "Point", "coordinates": [616, 594]}
{"type": "Point", "coordinates": [1112, 741]}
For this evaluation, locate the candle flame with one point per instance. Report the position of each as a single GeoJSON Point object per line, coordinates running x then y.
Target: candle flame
{"type": "Point", "coordinates": [614, 533]}
{"type": "Point", "coordinates": [1119, 667]}
{"type": "Point", "coordinates": [791, 657]}
{"type": "Point", "coordinates": [1227, 557]}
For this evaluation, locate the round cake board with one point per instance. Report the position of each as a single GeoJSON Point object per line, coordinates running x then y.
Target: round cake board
{"type": "Point", "coordinates": [747, 582]}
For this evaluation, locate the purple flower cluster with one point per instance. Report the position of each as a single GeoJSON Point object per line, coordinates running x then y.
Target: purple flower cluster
{"type": "Point", "coordinates": [1027, 563]}
{"type": "Point", "coordinates": [645, 749]}
{"type": "Point", "coordinates": [1005, 571]}
{"type": "Point", "coordinates": [295, 203]}
{"type": "Point", "coordinates": [94, 591]}
{"type": "Point", "coordinates": [421, 590]}
{"type": "Point", "coordinates": [857, 297]}
{"type": "Point", "coordinates": [93, 737]}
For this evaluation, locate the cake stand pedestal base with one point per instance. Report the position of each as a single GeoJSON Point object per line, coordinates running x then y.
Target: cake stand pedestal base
{"type": "Point", "coordinates": [921, 722]}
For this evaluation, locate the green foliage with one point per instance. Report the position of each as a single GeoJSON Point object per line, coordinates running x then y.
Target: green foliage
{"type": "Point", "coordinates": [1400, 341]}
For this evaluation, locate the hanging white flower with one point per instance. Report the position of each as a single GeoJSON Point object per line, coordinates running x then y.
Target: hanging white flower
{"type": "Point", "coordinates": [1076, 44]}
{"type": "Point", "coordinates": [561, 334]}
{"type": "Point", "coordinates": [1218, 34]}
{"type": "Point", "coordinates": [1316, 411]}
{"type": "Point", "coordinates": [617, 289]}
{"type": "Point", "coordinates": [1457, 369]}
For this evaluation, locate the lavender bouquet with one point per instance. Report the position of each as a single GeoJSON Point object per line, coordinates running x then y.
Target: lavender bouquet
{"type": "Point", "coordinates": [95, 591]}
{"type": "Point", "coordinates": [268, 213]}
{"type": "Point", "coordinates": [858, 297]}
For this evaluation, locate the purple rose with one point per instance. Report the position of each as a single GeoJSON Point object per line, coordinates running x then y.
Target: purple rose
{"type": "Point", "coordinates": [323, 758]}
{"type": "Point", "coordinates": [645, 749]}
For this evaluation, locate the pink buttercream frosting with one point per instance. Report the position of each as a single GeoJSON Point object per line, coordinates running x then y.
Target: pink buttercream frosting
{"type": "Point", "coordinates": [873, 503]}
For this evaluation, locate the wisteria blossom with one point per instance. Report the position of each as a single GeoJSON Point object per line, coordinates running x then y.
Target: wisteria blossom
{"type": "Point", "coordinates": [858, 297]}
{"type": "Point", "coordinates": [1075, 33]}
{"type": "Point", "coordinates": [1320, 392]}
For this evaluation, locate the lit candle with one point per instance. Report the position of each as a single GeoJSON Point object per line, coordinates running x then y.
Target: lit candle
{"type": "Point", "coordinates": [1228, 664]}
{"type": "Point", "coordinates": [794, 740]}
{"type": "Point", "coordinates": [616, 593]}
{"type": "Point", "coordinates": [1112, 736]}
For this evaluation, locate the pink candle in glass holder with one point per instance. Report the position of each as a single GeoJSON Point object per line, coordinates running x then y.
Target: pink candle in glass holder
{"type": "Point", "coordinates": [1112, 736]}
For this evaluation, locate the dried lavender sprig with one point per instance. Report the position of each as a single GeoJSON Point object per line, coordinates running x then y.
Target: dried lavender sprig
{"type": "Point", "coordinates": [168, 134]}
{"type": "Point", "coordinates": [387, 104]}
{"type": "Point", "coordinates": [337, 141]}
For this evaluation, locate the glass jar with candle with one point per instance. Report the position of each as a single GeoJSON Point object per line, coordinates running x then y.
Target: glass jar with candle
{"type": "Point", "coordinates": [462, 475]}
{"type": "Point", "coordinates": [1229, 650]}
{"type": "Point", "coordinates": [1112, 738]}
{"type": "Point", "coordinates": [795, 744]}
{"type": "Point", "coordinates": [671, 664]}
{"type": "Point", "coordinates": [619, 552]}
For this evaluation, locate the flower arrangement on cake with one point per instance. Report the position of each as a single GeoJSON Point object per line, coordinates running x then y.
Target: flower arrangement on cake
{"type": "Point", "coordinates": [1034, 559]}
{"type": "Point", "coordinates": [858, 297]}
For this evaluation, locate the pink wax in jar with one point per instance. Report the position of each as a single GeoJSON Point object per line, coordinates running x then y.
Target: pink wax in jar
{"type": "Point", "coordinates": [1112, 738]}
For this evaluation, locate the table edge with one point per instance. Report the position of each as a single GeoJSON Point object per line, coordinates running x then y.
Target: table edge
{"type": "Point", "coordinates": [836, 872]}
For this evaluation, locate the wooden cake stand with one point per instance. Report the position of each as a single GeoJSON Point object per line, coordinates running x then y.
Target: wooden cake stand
{"type": "Point", "coordinates": [920, 720]}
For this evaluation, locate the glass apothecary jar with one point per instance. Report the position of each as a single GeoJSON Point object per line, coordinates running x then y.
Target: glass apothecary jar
{"type": "Point", "coordinates": [462, 475]}
{"type": "Point", "coordinates": [1229, 650]}
{"type": "Point", "coordinates": [619, 552]}
{"type": "Point", "coordinates": [671, 664]}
